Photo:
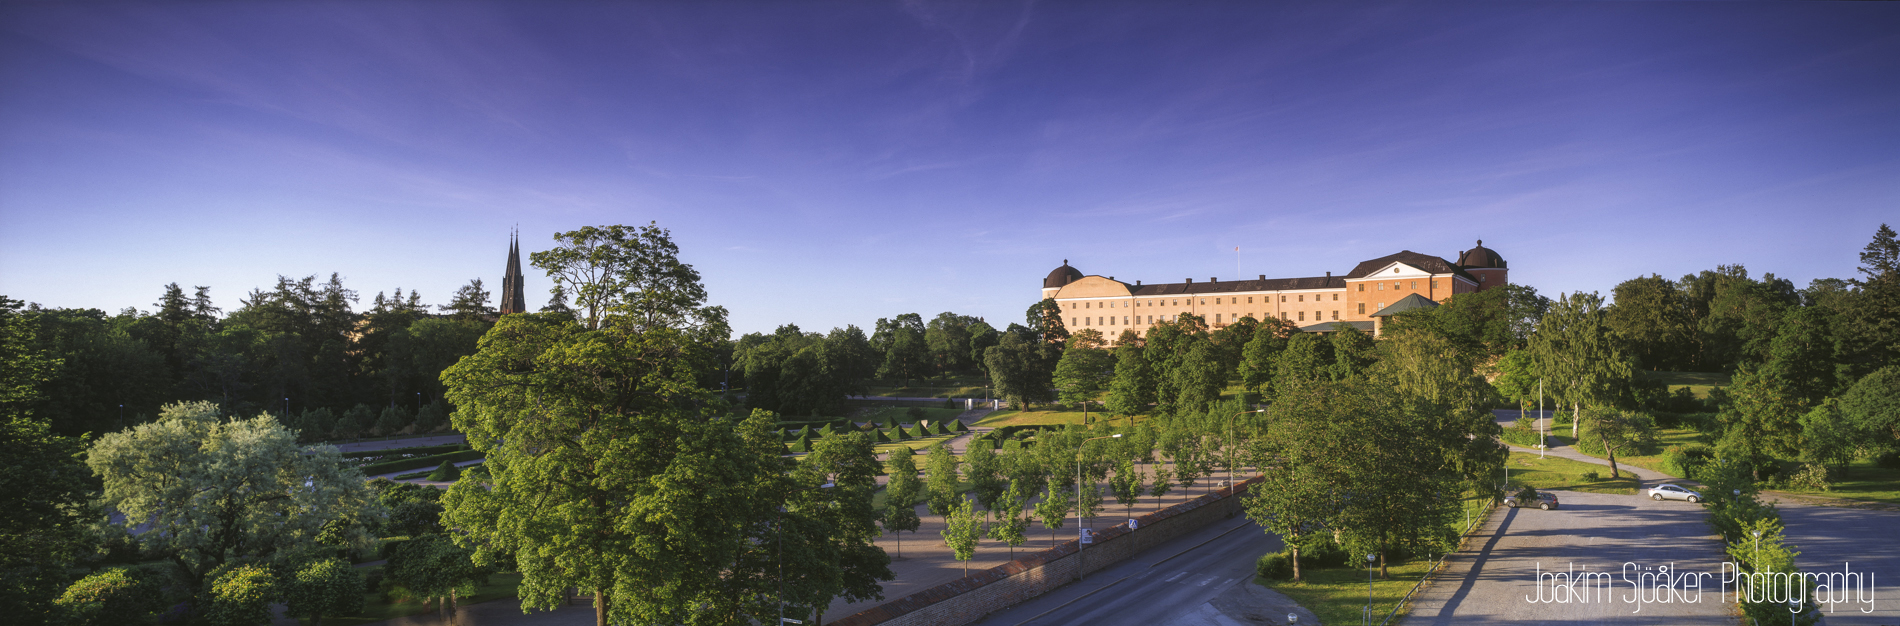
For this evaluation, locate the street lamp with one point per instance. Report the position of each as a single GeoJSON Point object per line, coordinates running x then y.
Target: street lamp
{"type": "Point", "coordinates": [1369, 559]}
{"type": "Point", "coordinates": [1543, 432]}
{"type": "Point", "coordinates": [1230, 442]}
{"type": "Point", "coordinates": [780, 557]}
{"type": "Point", "coordinates": [1079, 531]}
{"type": "Point", "coordinates": [1757, 562]}
{"type": "Point", "coordinates": [121, 417]}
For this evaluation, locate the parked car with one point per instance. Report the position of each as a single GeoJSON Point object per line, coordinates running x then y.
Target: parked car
{"type": "Point", "coordinates": [1545, 500]}
{"type": "Point", "coordinates": [1673, 492]}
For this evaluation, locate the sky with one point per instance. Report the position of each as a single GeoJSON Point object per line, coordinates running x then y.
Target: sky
{"type": "Point", "coordinates": [825, 164]}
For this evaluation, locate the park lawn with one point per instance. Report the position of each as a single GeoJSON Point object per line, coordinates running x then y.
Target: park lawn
{"type": "Point", "coordinates": [1665, 437]}
{"type": "Point", "coordinates": [1012, 417]}
{"type": "Point", "coordinates": [1698, 383]}
{"type": "Point", "coordinates": [914, 444]}
{"type": "Point", "coordinates": [377, 608]}
{"type": "Point", "coordinates": [1565, 474]}
{"type": "Point", "coordinates": [1865, 481]}
{"type": "Point", "coordinates": [902, 414]}
{"type": "Point", "coordinates": [1338, 595]}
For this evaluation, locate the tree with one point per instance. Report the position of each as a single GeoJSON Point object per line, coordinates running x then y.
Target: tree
{"type": "Point", "coordinates": [948, 338]}
{"type": "Point", "coordinates": [1053, 510]}
{"type": "Point", "coordinates": [1307, 358]}
{"type": "Point", "coordinates": [1827, 438]}
{"type": "Point", "coordinates": [1045, 324]}
{"type": "Point", "coordinates": [393, 418]}
{"type": "Point", "coordinates": [1009, 528]}
{"type": "Point", "coordinates": [901, 495]}
{"type": "Point", "coordinates": [840, 524]}
{"type": "Point", "coordinates": [1518, 378]}
{"type": "Point", "coordinates": [1015, 366]}
{"type": "Point", "coordinates": [216, 492]}
{"type": "Point", "coordinates": [1649, 317]}
{"type": "Point", "coordinates": [1127, 485]}
{"type": "Point", "coordinates": [470, 302]}
{"type": "Point", "coordinates": [432, 566]}
{"type": "Point", "coordinates": [1133, 388]}
{"type": "Point", "coordinates": [1578, 354]}
{"type": "Point", "coordinates": [1872, 408]}
{"type": "Point", "coordinates": [1619, 430]}
{"type": "Point", "coordinates": [940, 476]}
{"type": "Point", "coordinates": [635, 272]}
{"type": "Point", "coordinates": [1085, 368]}
{"type": "Point", "coordinates": [324, 587]}
{"type": "Point", "coordinates": [46, 495]}
{"type": "Point", "coordinates": [1260, 356]}
{"type": "Point", "coordinates": [107, 598]}
{"type": "Point", "coordinates": [1197, 379]}
{"type": "Point", "coordinates": [609, 466]}
{"type": "Point", "coordinates": [1294, 501]}
{"type": "Point", "coordinates": [981, 469]}
{"type": "Point", "coordinates": [1761, 422]}
{"type": "Point", "coordinates": [1353, 352]}
{"type": "Point", "coordinates": [1875, 317]}
{"type": "Point", "coordinates": [906, 351]}
{"type": "Point", "coordinates": [961, 528]}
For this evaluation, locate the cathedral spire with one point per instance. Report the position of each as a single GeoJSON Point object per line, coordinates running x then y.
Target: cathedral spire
{"type": "Point", "coordinates": [512, 300]}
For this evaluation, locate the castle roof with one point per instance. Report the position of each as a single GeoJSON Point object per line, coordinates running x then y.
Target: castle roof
{"type": "Point", "coordinates": [1408, 303]}
{"type": "Point", "coordinates": [1480, 257]}
{"type": "Point", "coordinates": [1061, 276]}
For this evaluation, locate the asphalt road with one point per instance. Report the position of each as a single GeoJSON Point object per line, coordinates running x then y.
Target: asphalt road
{"type": "Point", "coordinates": [1495, 579]}
{"type": "Point", "coordinates": [1138, 592]}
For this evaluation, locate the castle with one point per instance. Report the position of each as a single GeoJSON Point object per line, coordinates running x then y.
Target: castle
{"type": "Point", "coordinates": [1362, 298]}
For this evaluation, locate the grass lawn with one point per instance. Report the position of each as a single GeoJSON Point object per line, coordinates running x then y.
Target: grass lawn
{"type": "Point", "coordinates": [1665, 437]}
{"type": "Point", "coordinates": [902, 414]}
{"type": "Point", "coordinates": [1698, 383]}
{"type": "Point", "coordinates": [1565, 474]}
{"type": "Point", "coordinates": [1864, 481]}
{"type": "Point", "coordinates": [1012, 417]}
{"type": "Point", "coordinates": [376, 608]}
{"type": "Point", "coordinates": [1338, 596]}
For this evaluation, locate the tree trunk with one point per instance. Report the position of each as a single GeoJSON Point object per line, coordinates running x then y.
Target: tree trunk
{"type": "Point", "coordinates": [1576, 418]}
{"type": "Point", "coordinates": [1611, 452]}
{"type": "Point", "coordinates": [600, 607]}
{"type": "Point", "coordinates": [1296, 563]}
{"type": "Point", "coordinates": [1383, 574]}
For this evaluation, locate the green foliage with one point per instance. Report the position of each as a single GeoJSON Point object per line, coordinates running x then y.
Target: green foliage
{"type": "Point", "coordinates": [1085, 369]}
{"type": "Point", "coordinates": [1761, 422]}
{"type": "Point", "coordinates": [1133, 387]}
{"type": "Point", "coordinates": [906, 350]}
{"type": "Point", "coordinates": [445, 472]}
{"type": "Point", "coordinates": [1021, 368]}
{"type": "Point", "coordinates": [1651, 317]}
{"type": "Point", "coordinates": [241, 596]}
{"type": "Point", "coordinates": [1012, 520]}
{"type": "Point", "coordinates": [1580, 358]}
{"type": "Point", "coordinates": [799, 373]}
{"type": "Point", "coordinates": [940, 469]}
{"type": "Point", "coordinates": [323, 587]}
{"type": "Point", "coordinates": [1760, 549]}
{"type": "Point", "coordinates": [46, 495]}
{"type": "Point", "coordinates": [902, 493]}
{"type": "Point", "coordinates": [1260, 357]}
{"type": "Point", "coordinates": [1871, 407]}
{"type": "Point", "coordinates": [1128, 484]}
{"type": "Point", "coordinates": [1054, 508]}
{"type": "Point", "coordinates": [433, 566]}
{"type": "Point", "coordinates": [1274, 566]}
{"type": "Point", "coordinates": [962, 528]}
{"type": "Point", "coordinates": [983, 471]}
{"type": "Point", "coordinates": [218, 491]}
{"type": "Point", "coordinates": [1608, 430]}
{"type": "Point", "coordinates": [397, 465]}
{"type": "Point", "coordinates": [393, 418]}
{"type": "Point", "coordinates": [109, 598]}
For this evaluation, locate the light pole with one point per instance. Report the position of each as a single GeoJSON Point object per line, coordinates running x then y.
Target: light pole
{"type": "Point", "coordinates": [1757, 563]}
{"type": "Point", "coordinates": [121, 417]}
{"type": "Point", "coordinates": [780, 557]}
{"type": "Point", "coordinates": [286, 408]}
{"type": "Point", "coordinates": [1369, 558]}
{"type": "Point", "coordinates": [1543, 433]}
{"type": "Point", "coordinates": [1079, 531]}
{"type": "Point", "coordinates": [418, 403]}
{"type": "Point", "coordinates": [1230, 443]}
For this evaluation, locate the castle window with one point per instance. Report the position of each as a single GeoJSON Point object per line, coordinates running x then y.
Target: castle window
{"type": "Point", "coordinates": [1249, 299]}
{"type": "Point", "coordinates": [1283, 298]}
{"type": "Point", "coordinates": [1362, 308]}
{"type": "Point", "coordinates": [1217, 301]}
{"type": "Point", "coordinates": [1151, 319]}
{"type": "Point", "coordinates": [1203, 301]}
{"type": "Point", "coordinates": [1434, 284]}
{"type": "Point", "coordinates": [1415, 284]}
{"type": "Point", "coordinates": [1335, 314]}
{"type": "Point", "coordinates": [1381, 286]}
{"type": "Point", "coordinates": [1302, 316]}
{"type": "Point", "coordinates": [1217, 317]}
{"type": "Point", "coordinates": [1381, 305]}
{"type": "Point", "coordinates": [1335, 297]}
{"type": "Point", "coordinates": [1362, 286]}
{"type": "Point", "coordinates": [1302, 297]}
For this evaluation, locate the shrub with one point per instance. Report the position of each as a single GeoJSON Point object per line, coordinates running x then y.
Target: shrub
{"type": "Point", "coordinates": [446, 472]}
{"type": "Point", "coordinates": [110, 598]}
{"type": "Point", "coordinates": [1811, 476]}
{"type": "Point", "coordinates": [916, 414]}
{"type": "Point", "coordinates": [242, 597]}
{"type": "Point", "coordinates": [1686, 461]}
{"type": "Point", "coordinates": [1592, 476]}
{"type": "Point", "coordinates": [326, 587]}
{"type": "Point", "coordinates": [950, 403]}
{"type": "Point", "coordinates": [1274, 566]}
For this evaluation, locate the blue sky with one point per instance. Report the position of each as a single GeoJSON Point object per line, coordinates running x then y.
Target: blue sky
{"type": "Point", "coordinates": [832, 163]}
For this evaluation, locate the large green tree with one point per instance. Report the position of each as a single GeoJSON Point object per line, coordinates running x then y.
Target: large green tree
{"type": "Point", "coordinates": [1576, 351]}
{"type": "Point", "coordinates": [1085, 370]}
{"type": "Point", "coordinates": [216, 491]}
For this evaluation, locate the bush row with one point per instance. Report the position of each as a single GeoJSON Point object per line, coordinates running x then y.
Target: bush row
{"type": "Point", "coordinates": [420, 462]}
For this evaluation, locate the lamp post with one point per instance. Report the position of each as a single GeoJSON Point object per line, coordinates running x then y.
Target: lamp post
{"type": "Point", "coordinates": [1369, 559]}
{"type": "Point", "coordinates": [780, 557]}
{"type": "Point", "coordinates": [286, 408]}
{"type": "Point", "coordinates": [121, 417]}
{"type": "Point", "coordinates": [1543, 433]}
{"type": "Point", "coordinates": [1080, 532]}
{"type": "Point", "coordinates": [1230, 442]}
{"type": "Point", "coordinates": [1757, 563]}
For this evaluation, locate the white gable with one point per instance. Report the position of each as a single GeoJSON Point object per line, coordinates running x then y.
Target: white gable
{"type": "Point", "coordinates": [1396, 270]}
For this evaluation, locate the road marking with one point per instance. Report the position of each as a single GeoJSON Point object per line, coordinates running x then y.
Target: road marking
{"type": "Point", "coordinates": [1176, 575]}
{"type": "Point", "coordinates": [1209, 580]}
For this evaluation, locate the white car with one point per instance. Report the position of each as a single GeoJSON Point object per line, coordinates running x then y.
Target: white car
{"type": "Point", "coordinates": [1673, 492]}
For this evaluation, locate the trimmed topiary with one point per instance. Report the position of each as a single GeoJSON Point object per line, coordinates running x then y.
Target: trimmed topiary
{"type": "Point", "coordinates": [879, 436]}
{"type": "Point", "coordinates": [445, 472]}
{"type": "Point", "coordinates": [957, 425]}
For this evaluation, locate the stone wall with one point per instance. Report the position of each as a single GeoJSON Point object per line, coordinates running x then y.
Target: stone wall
{"type": "Point", "coordinates": [968, 599]}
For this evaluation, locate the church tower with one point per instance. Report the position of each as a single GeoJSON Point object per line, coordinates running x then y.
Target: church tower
{"type": "Point", "coordinates": [511, 299]}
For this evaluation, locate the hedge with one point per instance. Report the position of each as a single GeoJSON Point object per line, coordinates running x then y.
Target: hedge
{"type": "Point", "coordinates": [399, 465]}
{"type": "Point", "coordinates": [418, 450]}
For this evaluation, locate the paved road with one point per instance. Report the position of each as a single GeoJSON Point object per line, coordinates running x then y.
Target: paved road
{"type": "Point", "coordinates": [1494, 579]}
{"type": "Point", "coordinates": [1139, 593]}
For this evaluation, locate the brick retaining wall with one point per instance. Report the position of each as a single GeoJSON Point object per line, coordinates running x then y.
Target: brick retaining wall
{"type": "Point", "coordinates": [968, 599]}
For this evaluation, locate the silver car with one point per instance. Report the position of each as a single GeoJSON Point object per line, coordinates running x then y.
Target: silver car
{"type": "Point", "coordinates": [1673, 492]}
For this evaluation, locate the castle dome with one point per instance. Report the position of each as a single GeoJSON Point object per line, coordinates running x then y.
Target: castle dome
{"type": "Point", "coordinates": [1061, 276]}
{"type": "Point", "coordinates": [1480, 258]}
